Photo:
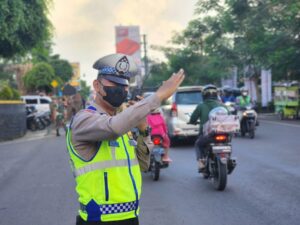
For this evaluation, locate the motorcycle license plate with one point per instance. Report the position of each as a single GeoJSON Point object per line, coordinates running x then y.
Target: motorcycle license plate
{"type": "Point", "coordinates": [219, 149]}
{"type": "Point", "coordinates": [158, 151]}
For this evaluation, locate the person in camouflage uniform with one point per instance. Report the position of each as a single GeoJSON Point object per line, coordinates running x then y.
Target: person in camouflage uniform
{"type": "Point", "coordinates": [58, 108]}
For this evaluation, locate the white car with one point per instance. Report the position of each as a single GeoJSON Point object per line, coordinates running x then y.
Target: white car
{"type": "Point", "coordinates": [178, 109]}
{"type": "Point", "coordinates": [41, 103]}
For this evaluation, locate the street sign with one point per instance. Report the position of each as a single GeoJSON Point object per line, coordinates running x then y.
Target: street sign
{"type": "Point", "coordinates": [54, 83]}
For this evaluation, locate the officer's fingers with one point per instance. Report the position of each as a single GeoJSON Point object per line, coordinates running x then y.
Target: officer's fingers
{"type": "Point", "coordinates": [131, 102]}
{"type": "Point", "coordinates": [139, 97]}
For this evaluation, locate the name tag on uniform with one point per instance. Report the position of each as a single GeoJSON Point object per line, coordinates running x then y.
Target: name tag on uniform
{"type": "Point", "coordinates": [114, 143]}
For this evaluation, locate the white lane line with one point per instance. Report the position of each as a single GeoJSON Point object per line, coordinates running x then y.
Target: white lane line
{"type": "Point", "coordinates": [282, 124]}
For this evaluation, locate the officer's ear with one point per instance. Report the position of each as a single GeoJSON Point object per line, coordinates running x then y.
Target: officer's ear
{"type": "Point", "coordinates": [98, 87]}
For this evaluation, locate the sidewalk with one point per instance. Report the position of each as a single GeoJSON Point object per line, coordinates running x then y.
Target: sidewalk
{"type": "Point", "coordinates": [268, 115]}
{"type": "Point", "coordinates": [35, 135]}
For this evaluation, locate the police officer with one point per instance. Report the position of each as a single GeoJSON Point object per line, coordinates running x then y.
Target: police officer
{"type": "Point", "coordinates": [105, 159]}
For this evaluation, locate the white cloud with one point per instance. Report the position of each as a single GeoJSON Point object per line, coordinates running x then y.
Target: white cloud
{"type": "Point", "coordinates": [84, 29]}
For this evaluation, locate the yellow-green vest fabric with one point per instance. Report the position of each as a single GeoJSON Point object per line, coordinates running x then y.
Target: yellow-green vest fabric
{"type": "Point", "coordinates": [244, 101]}
{"type": "Point", "coordinates": [108, 185]}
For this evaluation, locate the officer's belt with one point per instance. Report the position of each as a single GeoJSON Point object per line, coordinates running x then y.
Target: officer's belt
{"type": "Point", "coordinates": [104, 165]}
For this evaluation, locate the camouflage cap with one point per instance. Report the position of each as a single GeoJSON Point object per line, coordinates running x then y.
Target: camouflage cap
{"type": "Point", "coordinates": [118, 68]}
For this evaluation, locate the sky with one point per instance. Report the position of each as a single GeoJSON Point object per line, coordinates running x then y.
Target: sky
{"type": "Point", "coordinates": [85, 29]}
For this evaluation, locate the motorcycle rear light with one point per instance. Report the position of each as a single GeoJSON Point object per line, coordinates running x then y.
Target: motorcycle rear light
{"type": "Point", "coordinates": [220, 138]}
{"type": "Point", "coordinates": [174, 110]}
{"type": "Point", "coordinates": [156, 141]}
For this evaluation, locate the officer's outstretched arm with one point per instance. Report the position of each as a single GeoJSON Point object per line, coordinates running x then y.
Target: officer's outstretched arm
{"type": "Point", "coordinates": [93, 126]}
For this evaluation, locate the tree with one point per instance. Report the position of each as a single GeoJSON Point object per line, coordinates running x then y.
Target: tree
{"type": "Point", "coordinates": [23, 26]}
{"type": "Point", "coordinates": [62, 68]}
{"type": "Point", "coordinates": [263, 33]}
{"type": "Point", "coordinates": [159, 72]}
{"type": "Point", "coordinates": [39, 78]}
{"type": "Point", "coordinates": [84, 89]}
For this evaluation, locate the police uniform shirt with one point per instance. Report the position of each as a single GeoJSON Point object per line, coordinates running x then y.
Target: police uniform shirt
{"type": "Point", "coordinates": [89, 127]}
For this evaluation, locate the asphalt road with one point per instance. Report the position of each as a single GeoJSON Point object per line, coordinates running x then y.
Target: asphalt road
{"type": "Point", "coordinates": [37, 188]}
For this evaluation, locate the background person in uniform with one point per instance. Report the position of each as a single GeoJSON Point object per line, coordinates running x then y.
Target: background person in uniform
{"type": "Point", "coordinates": [59, 116]}
{"type": "Point", "coordinates": [106, 161]}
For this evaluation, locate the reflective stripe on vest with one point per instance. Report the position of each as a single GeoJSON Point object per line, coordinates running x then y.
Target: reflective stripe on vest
{"type": "Point", "coordinates": [104, 165]}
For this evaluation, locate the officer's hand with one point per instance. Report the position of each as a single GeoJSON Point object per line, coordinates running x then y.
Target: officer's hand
{"type": "Point", "coordinates": [169, 86]}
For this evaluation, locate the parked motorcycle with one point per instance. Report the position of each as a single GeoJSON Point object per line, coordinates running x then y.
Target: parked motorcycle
{"type": "Point", "coordinates": [33, 121]}
{"type": "Point", "coordinates": [45, 118]}
{"type": "Point", "coordinates": [248, 120]}
{"type": "Point", "coordinates": [156, 163]}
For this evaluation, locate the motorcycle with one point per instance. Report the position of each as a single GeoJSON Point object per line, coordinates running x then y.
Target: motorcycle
{"type": "Point", "coordinates": [218, 160]}
{"type": "Point", "coordinates": [248, 120]}
{"type": "Point", "coordinates": [45, 118]}
{"type": "Point", "coordinates": [231, 107]}
{"type": "Point", "coordinates": [33, 121]}
{"type": "Point", "coordinates": [156, 163]}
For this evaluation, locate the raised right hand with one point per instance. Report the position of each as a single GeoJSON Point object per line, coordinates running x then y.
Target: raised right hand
{"type": "Point", "coordinates": [170, 86]}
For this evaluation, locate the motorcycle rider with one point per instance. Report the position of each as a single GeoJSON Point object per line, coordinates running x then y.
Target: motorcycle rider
{"type": "Point", "coordinates": [244, 99]}
{"type": "Point", "coordinates": [210, 97]}
{"type": "Point", "coordinates": [228, 95]}
{"type": "Point", "coordinates": [159, 127]}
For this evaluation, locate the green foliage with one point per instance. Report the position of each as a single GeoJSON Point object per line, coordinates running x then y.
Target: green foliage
{"type": "Point", "coordinates": [6, 93]}
{"type": "Point", "coordinates": [16, 94]}
{"type": "Point", "coordinates": [261, 33]}
{"type": "Point", "coordinates": [62, 68]}
{"type": "Point", "coordinates": [23, 26]}
{"type": "Point", "coordinates": [39, 78]}
{"type": "Point", "coordinates": [159, 72]}
{"type": "Point", "coordinates": [84, 89]}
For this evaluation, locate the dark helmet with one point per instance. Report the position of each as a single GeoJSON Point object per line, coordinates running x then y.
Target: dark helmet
{"type": "Point", "coordinates": [227, 91]}
{"type": "Point", "coordinates": [210, 91]}
{"type": "Point", "coordinates": [118, 68]}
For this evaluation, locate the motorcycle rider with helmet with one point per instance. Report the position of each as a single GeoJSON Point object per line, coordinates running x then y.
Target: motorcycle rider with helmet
{"type": "Point", "coordinates": [244, 99]}
{"type": "Point", "coordinates": [228, 95]}
{"type": "Point", "coordinates": [210, 101]}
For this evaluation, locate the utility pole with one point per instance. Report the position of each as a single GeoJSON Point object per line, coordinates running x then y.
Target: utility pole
{"type": "Point", "coordinates": [145, 57]}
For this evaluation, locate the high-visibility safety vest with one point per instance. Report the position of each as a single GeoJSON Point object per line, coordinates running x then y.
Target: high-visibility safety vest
{"type": "Point", "coordinates": [244, 101]}
{"type": "Point", "coordinates": [108, 185]}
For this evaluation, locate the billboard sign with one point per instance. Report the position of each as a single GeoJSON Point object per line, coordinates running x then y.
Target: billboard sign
{"type": "Point", "coordinates": [128, 41]}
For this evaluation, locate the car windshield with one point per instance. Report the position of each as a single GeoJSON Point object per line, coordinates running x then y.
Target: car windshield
{"type": "Point", "coordinates": [189, 98]}
{"type": "Point", "coordinates": [31, 101]}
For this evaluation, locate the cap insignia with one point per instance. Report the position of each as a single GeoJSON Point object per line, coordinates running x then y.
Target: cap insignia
{"type": "Point", "coordinates": [122, 66]}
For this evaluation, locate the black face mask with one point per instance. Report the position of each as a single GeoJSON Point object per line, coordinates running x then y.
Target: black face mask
{"type": "Point", "coordinates": [115, 95]}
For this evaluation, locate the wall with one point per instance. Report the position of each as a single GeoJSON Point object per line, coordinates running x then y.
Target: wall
{"type": "Point", "coordinates": [12, 120]}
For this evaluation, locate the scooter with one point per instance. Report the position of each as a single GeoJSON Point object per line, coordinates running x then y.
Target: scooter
{"type": "Point", "coordinates": [33, 121]}
{"type": "Point", "coordinates": [248, 120]}
{"type": "Point", "coordinates": [156, 163]}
